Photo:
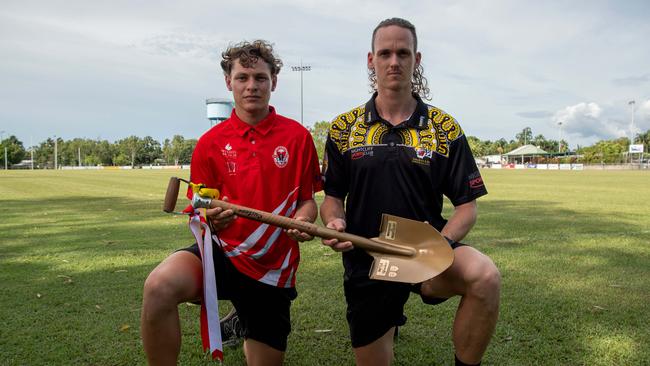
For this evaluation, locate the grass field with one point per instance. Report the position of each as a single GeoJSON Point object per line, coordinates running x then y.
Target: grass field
{"type": "Point", "coordinates": [573, 249]}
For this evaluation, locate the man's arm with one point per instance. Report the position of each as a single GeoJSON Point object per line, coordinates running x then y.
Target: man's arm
{"type": "Point", "coordinates": [461, 221]}
{"type": "Point", "coordinates": [332, 214]}
{"type": "Point", "coordinates": [305, 211]}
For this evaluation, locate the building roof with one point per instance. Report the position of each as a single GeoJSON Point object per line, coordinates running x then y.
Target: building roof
{"type": "Point", "coordinates": [526, 150]}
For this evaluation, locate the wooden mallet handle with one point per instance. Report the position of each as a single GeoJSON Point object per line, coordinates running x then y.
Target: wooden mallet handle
{"type": "Point", "coordinates": [285, 222]}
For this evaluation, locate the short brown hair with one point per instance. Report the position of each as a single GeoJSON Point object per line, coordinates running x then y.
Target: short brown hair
{"type": "Point", "coordinates": [402, 23]}
{"type": "Point", "coordinates": [419, 84]}
{"type": "Point", "coordinates": [248, 53]}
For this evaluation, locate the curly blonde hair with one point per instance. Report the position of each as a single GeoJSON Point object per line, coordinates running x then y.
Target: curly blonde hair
{"type": "Point", "coordinates": [248, 53]}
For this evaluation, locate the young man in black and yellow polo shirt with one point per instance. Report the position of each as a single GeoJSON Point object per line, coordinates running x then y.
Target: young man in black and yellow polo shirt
{"type": "Point", "coordinates": [398, 155]}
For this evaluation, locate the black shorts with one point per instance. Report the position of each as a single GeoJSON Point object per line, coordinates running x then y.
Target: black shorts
{"type": "Point", "coordinates": [375, 306]}
{"type": "Point", "coordinates": [264, 310]}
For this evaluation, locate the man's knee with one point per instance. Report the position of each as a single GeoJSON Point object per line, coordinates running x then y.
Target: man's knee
{"type": "Point", "coordinates": [175, 280]}
{"type": "Point", "coordinates": [486, 283]}
{"type": "Point", "coordinates": [159, 292]}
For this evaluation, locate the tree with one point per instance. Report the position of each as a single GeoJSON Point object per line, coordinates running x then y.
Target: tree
{"type": "Point", "coordinates": [525, 136]}
{"type": "Point", "coordinates": [69, 151]}
{"type": "Point", "coordinates": [319, 133]}
{"type": "Point", "coordinates": [105, 152]}
{"type": "Point", "coordinates": [15, 150]}
{"type": "Point", "coordinates": [44, 154]}
{"type": "Point", "coordinates": [172, 150]}
{"type": "Point", "coordinates": [188, 149]}
{"type": "Point", "coordinates": [499, 146]}
{"type": "Point", "coordinates": [606, 151]}
{"type": "Point", "coordinates": [130, 147]}
{"type": "Point", "coordinates": [643, 138]}
{"type": "Point", "coordinates": [151, 150]}
{"type": "Point", "coordinates": [478, 147]}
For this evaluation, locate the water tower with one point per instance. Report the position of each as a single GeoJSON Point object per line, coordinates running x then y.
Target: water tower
{"type": "Point", "coordinates": [218, 110]}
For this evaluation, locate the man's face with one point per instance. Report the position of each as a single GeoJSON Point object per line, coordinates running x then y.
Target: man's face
{"type": "Point", "coordinates": [251, 86]}
{"type": "Point", "coordinates": [394, 58]}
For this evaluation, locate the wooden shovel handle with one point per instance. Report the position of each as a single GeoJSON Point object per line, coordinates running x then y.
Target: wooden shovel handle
{"type": "Point", "coordinates": [313, 229]}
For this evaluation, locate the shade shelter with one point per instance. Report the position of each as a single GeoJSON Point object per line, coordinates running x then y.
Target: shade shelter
{"type": "Point", "coordinates": [525, 154]}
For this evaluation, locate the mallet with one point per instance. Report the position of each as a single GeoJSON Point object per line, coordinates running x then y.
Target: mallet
{"type": "Point", "coordinates": [406, 250]}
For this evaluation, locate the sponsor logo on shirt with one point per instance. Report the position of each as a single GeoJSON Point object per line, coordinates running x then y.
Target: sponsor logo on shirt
{"type": "Point", "coordinates": [423, 153]}
{"type": "Point", "coordinates": [281, 156]}
{"type": "Point", "coordinates": [232, 167]}
{"type": "Point", "coordinates": [360, 152]}
{"type": "Point", "coordinates": [475, 180]}
{"type": "Point", "coordinates": [228, 152]}
{"type": "Point", "coordinates": [231, 156]}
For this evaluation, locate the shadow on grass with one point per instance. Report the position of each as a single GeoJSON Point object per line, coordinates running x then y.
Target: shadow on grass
{"type": "Point", "coordinates": [574, 287]}
{"type": "Point", "coordinates": [74, 281]}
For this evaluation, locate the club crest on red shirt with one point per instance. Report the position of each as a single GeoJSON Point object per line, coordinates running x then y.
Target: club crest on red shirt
{"type": "Point", "coordinates": [281, 156]}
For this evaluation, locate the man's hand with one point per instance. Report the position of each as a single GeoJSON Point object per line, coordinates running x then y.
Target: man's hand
{"type": "Point", "coordinates": [339, 225]}
{"type": "Point", "coordinates": [298, 235]}
{"type": "Point", "coordinates": [220, 218]}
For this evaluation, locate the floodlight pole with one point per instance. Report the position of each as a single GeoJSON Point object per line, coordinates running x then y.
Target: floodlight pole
{"type": "Point", "coordinates": [301, 68]}
{"type": "Point", "coordinates": [56, 147]}
{"type": "Point", "coordinates": [632, 104]}
{"type": "Point", "coordinates": [2, 135]}
{"type": "Point", "coordinates": [559, 143]}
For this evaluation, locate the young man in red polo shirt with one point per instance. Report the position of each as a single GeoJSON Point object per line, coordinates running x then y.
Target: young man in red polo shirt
{"type": "Point", "coordinates": [259, 159]}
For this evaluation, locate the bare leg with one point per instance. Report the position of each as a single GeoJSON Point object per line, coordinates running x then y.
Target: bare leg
{"type": "Point", "coordinates": [377, 353]}
{"type": "Point", "coordinates": [473, 276]}
{"type": "Point", "coordinates": [177, 279]}
{"type": "Point", "coordinates": [261, 354]}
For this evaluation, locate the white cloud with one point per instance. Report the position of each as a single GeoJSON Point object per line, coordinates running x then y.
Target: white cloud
{"type": "Point", "coordinates": [591, 120]}
{"type": "Point", "coordinates": [643, 116]}
{"type": "Point", "coordinates": [122, 67]}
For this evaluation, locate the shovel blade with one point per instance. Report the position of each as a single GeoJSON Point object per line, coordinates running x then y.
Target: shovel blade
{"type": "Point", "coordinates": [433, 255]}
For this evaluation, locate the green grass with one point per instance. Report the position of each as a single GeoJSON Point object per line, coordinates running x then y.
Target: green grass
{"type": "Point", "coordinates": [573, 249]}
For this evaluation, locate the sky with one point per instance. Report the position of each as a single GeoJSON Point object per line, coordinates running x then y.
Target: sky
{"type": "Point", "coordinates": [108, 70]}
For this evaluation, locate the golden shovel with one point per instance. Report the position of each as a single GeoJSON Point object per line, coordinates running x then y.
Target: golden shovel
{"type": "Point", "coordinates": [406, 250]}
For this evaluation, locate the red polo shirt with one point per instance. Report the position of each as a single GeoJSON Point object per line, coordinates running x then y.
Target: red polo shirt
{"type": "Point", "coordinates": [271, 167]}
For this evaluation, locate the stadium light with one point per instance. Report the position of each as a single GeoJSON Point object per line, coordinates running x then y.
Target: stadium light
{"type": "Point", "coordinates": [559, 143]}
{"type": "Point", "coordinates": [632, 104]}
{"type": "Point", "coordinates": [2, 134]}
{"type": "Point", "coordinates": [56, 157]}
{"type": "Point", "coordinates": [301, 68]}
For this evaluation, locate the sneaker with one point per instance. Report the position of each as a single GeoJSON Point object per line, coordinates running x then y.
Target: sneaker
{"type": "Point", "coordinates": [231, 330]}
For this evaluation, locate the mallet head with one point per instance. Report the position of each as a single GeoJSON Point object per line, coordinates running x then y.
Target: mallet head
{"type": "Point", "coordinates": [172, 194]}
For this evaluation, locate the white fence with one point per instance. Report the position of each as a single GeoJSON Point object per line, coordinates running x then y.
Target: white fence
{"type": "Point", "coordinates": [125, 167]}
{"type": "Point", "coordinates": [571, 166]}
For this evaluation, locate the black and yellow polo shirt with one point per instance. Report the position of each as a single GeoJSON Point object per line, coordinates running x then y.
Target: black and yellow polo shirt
{"type": "Point", "coordinates": [402, 170]}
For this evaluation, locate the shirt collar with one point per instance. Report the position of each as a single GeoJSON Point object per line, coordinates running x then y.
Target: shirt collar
{"type": "Point", "coordinates": [263, 127]}
{"type": "Point", "coordinates": [418, 120]}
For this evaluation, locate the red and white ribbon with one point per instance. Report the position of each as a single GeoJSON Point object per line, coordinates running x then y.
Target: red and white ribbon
{"type": "Point", "coordinates": [210, 329]}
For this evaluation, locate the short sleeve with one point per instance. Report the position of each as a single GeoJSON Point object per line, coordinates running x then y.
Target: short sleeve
{"type": "Point", "coordinates": [335, 175]}
{"type": "Point", "coordinates": [199, 167]}
{"type": "Point", "coordinates": [463, 181]}
{"type": "Point", "coordinates": [310, 180]}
